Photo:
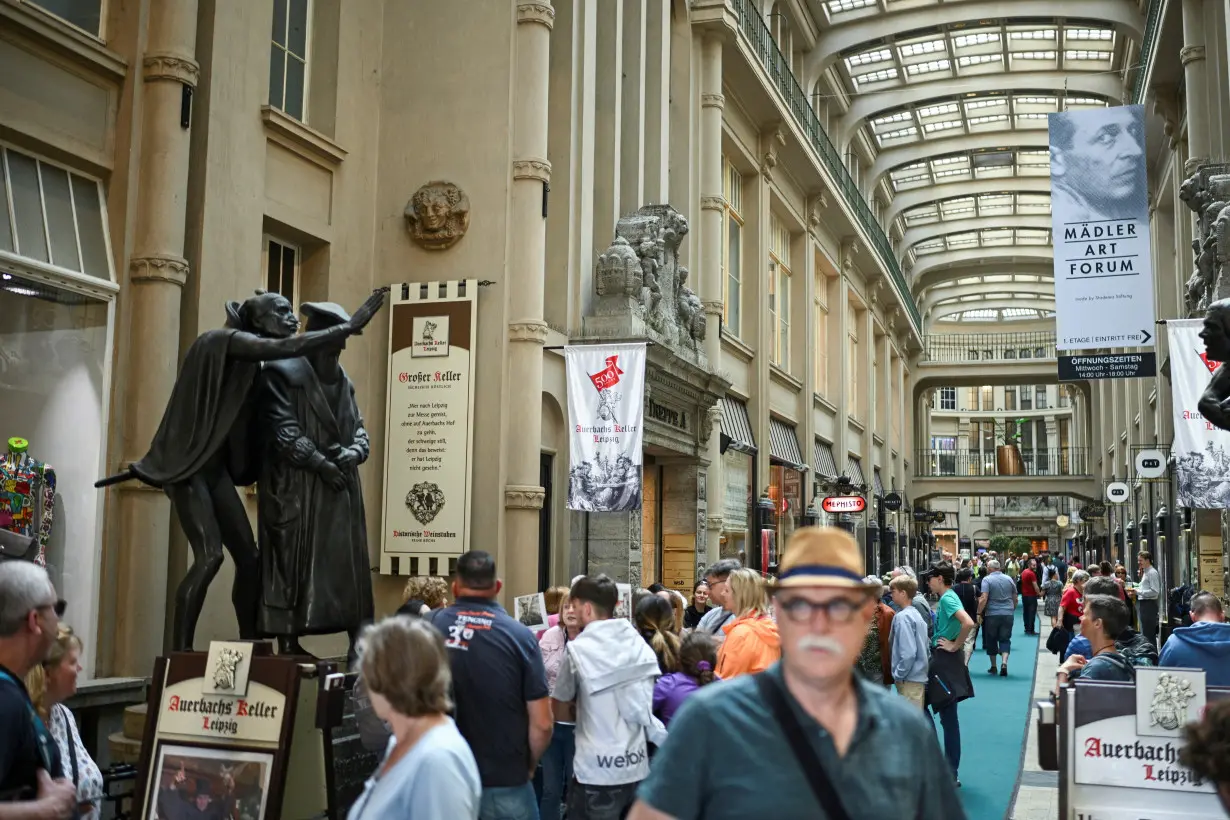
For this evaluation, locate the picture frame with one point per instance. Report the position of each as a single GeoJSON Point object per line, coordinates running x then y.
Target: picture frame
{"type": "Point", "coordinates": [531, 611]}
{"type": "Point", "coordinates": [196, 773]}
{"type": "Point", "coordinates": [623, 606]}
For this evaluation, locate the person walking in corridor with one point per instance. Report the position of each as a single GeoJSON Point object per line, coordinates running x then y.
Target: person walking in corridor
{"type": "Point", "coordinates": [1148, 596]}
{"type": "Point", "coordinates": [1029, 596]}
{"type": "Point", "coordinates": [952, 626]}
{"type": "Point", "coordinates": [997, 605]}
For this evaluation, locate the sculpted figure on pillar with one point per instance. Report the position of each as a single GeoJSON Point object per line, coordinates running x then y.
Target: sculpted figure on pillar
{"type": "Point", "coordinates": [1215, 402]}
{"type": "Point", "coordinates": [1207, 193]}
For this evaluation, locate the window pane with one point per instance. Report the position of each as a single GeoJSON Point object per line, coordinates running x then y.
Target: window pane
{"type": "Point", "coordinates": [279, 22]}
{"type": "Point", "coordinates": [296, 35]}
{"type": "Point", "coordinates": [273, 267]}
{"type": "Point", "coordinates": [732, 266]}
{"type": "Point", "coordinates": [86, 195]}
{"type": "Point", "coordinates": [60, 217]}
{"type": "Point", "coordinates": [296, 72]}
{"type": "Point", "coordinates": [83, 14]}
{"type": "Point", "coordinates": [277, 76]}
{"type": "Point", "coordinates": [23, 176]}
{"type": "Point", "coordinates": [6, 231]}
{"type": "Point", "coordinates": [288, 274]}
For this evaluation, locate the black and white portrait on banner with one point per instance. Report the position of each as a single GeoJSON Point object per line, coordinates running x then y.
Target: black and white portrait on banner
{"type": "Point", "coordinates": [1100, 225]}
{"type": "Point", "coordinates": [606, 398]}
{"type": "Point", "coordinates": [531, 610]}
{"type": "Point", "coordinates": [1201, 451]}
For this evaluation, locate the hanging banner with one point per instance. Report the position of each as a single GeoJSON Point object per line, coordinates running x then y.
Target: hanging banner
{"type": "Point", "coordinates": [606, 411]}
{"type": "Point", "coordinates": [1201, 451]}
{"type": "Point", "coordinates": [1100, 225]}
{"type": "Point", "coordinates": [429, 436]}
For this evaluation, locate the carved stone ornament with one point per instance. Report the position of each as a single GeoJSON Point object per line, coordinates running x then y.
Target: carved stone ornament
{"type": "Point", "coordinates": [524, 497]}
{"type": "Point", "coordinates": [711, 100]}
{"type": "Point", "coordinates": [535, 332]}
{"type": "Point", "coordinates": [158, 268]}
{"type": "Point", "coordinates": [1190, 54]}
{"type": "Point", "coordinates": [438, 215]}
{"type": "Point", "coordinates": [170, 67]}
{"type": "Point", "coordinates": [541, 13]}
{"type": "Point", "coordinates": [532, 168]}
{"type": "Point", "coordinates": [1207, 193]}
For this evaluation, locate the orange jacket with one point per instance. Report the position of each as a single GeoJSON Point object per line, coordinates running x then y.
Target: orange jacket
{"type": "Point", "coordinates": [751, 646]}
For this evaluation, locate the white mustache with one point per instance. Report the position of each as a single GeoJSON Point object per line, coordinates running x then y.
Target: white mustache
{"type": "Point", "coordinates": [821, 642]}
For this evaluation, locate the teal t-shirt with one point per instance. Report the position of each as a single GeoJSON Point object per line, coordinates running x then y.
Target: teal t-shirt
{"type": "Point", "coordinates": [946, 623]}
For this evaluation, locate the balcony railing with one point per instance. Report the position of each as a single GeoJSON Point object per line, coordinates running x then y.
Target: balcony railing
{"type": "Point", "coordinates": [989, 347]}
{"type": "Point", "coordinates": [1147, 45]}
{"type": "Point", "coordinates": [762, 44]}
{"type": "Point", "coordinates": [1055, 461]}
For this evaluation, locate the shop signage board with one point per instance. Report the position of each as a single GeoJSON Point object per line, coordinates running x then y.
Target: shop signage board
{"type": "Point", "coordinates": [1123, 746]}
{"type": "Point", "coordinates": [606, 423]}
{"type": "Point", "coordinates": [1117, 492]}
{"type": "Point", "coordinates": [1109, 366]}
{"type": "Point", "coordinates": [429, 433]}
{"type": "Point", "coordinates": [1212, 570]}
{"type": "Point", "coordinates": [1100, 224]}
{"type": "Point", "coordinates": [1201, 451]}
{"type": "Point", "coordinates": [921, 515]}
{"type": "Point", "coordinates": [837, 504]}
{"type": "Point", "coordinates": [1150, 464]}
{"type": "Point", "coordinates": [892, 502]}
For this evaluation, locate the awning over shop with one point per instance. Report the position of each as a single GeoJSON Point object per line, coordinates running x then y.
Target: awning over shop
{"type": "Point", "coordinates": [825, 463]}
{"type": "Point", "coordinates": [854, 471]}
{"type": "Point", "coordinates": [878, 483]}
{"type": "Point", "coordinates": [784, 445]}
{"type": "Point", "coordinates": [736, 427]}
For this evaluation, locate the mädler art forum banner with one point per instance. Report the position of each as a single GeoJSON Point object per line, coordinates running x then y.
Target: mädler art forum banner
{"type": "Point", "coordinates": [429, 437]}
{"type": "Point", "coordinates": [606, 411]}
{"type": "Point", "coordinates": [1100, 221]}
{"type": "Point", "coordinates": [1201, 451]}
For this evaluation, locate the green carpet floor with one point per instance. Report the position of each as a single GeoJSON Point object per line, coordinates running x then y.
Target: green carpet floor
{"type": "Point", "coordinates": [993, 725]}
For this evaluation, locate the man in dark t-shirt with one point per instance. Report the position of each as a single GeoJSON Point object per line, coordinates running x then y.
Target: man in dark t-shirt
{"type": "Point", "coordinates": [500, 688]}
{"type": "Point", "coordinates": [31, 773]}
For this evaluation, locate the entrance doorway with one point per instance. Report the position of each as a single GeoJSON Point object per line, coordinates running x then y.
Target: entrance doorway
{"type": "Point", "coordinates": [546, 468]}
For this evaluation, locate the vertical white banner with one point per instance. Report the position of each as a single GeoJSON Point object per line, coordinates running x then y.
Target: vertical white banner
{"type": "Point", "coordinates": [1100, 229]}
{"type": "Point", "coordinates": [1201, 451]}
{"type": "Point", "coordinates": [606, 412]}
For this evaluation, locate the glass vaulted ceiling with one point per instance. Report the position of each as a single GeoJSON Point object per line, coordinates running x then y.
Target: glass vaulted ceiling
{"type": "Point", "coordinates": [1015, 106]}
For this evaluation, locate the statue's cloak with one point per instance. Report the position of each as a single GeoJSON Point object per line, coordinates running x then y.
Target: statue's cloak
{"type": "Point", "coordinates": [208, 415]}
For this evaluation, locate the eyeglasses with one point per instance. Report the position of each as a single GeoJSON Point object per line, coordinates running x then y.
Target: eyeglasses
{"type": "Point", "coordinates": [838, 610]}
{"type": "Point", "coordinates": [58, 607]}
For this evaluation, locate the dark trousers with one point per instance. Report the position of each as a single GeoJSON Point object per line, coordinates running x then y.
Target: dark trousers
{"type": "Point", "coordinates": [952, 736]}
{"type": "Point", "coordinates": [1031, 614]}
{"type": "Point", "coordinates": [997, 634]}
{"type": "Point", "coordinates": [556, 771]}
{"type": "Point", "coordinates": [600, 802]}
{"type": "Point", "coordinates": [1148, 619]}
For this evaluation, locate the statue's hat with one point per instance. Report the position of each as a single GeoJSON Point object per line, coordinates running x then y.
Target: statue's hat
{"type": "Point", "coordinates": [321, 315]}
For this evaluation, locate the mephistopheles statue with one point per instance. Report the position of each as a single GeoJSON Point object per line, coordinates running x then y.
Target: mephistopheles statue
{"type": "Point", "coordinates": [203, 446]}
{"type": "Point", "coordinates": [1215, 403]}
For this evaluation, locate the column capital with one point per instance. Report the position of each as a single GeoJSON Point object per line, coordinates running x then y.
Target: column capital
{"type": "Point", "coordinates": [712, 202]}
{"type": "Point", "coordinates": [171, 67]}
{"type": "Point", "coordinates": [524, 497]}
{"type": "Point", "coordinates": [541, 13]}
{"type": "Point", "coordinates": [530, 331]}
{"type": "Point", "coordinates": [1191, 54]}
{"type": "Point", "coordinates": [712, 100]}
{"type": "Point", "coordinates": [713, 307]}
{"type": "Point", "coordinates": [532, 168]}
{"type": "Point", "coordinates": [158, 267]}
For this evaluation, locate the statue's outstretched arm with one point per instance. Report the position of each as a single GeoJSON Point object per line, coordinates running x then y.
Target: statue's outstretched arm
{"type": "Point", "coordinates": [250, 347]}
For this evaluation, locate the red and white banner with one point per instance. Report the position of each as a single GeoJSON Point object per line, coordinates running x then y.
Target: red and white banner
{"type": "Point", "coordinates": [606, 419]}
{"type": "Point", "coordinates": [1201, 451]}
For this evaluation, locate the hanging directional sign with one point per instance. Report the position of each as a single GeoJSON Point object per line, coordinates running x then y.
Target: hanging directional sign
{"type": "Point", "coordinates": [892, 502]}
{"type": "Point", "coordinates": [1150, 464]}
{"type": "Point", "coordinates": [1117, 492]}
{"type": "Point", "coordinates": [844, 504]}
{"type": "Point", "coordinates": [1108, 366]}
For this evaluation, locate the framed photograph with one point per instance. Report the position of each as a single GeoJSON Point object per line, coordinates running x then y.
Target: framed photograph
{"type": "Point", "coordinates": [531, 610]}
{"type": "Point", "coordinates": [623, 609]}
{"type": "Point", "coordinates": [191, 781]}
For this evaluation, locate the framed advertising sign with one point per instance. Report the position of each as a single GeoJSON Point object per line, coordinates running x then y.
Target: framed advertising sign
{"type": "Point", "coordinates": [429, 434]}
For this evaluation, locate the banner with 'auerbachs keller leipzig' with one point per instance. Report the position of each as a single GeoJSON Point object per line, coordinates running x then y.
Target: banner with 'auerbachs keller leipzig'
{"type": "Point", "coordinates": [1201, 451]}
{"type": "Point", "coordinates": [606, 409]}
{"type": "Point", "coordinates": [1100, 229]}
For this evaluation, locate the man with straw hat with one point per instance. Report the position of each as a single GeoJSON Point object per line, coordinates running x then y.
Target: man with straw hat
{"type": "Point", "coordinates": [806, 738]}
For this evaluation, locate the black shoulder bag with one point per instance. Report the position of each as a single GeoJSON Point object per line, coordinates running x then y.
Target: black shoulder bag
{"type": "Point", "coordinates": [804, 752]}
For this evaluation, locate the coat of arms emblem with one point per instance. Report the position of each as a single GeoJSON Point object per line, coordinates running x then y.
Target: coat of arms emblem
{"type": "Point", "coordinates": [1168, 708]}
{"type": "Point", "coordinates": [429, 331]}
{"type": "Point", "coordinates": [425, 500]}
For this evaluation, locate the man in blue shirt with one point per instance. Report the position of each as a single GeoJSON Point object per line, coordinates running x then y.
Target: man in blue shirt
{"type": "Point", "coordinates": [500, 687]}
{"type": "Point", "coordinates": [1203, 645]}
{"type": "Point", "coordinates": [727, 757]}
{"type": "Point", "coordinates": [996, 605]}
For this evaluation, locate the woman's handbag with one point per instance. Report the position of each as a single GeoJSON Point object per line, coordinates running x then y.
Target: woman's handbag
{"type": "Point", "coordinates": [1057, 641]}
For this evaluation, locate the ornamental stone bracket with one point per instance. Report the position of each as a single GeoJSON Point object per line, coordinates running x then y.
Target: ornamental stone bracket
{"type": "Point", "coordinates": [532, 168]}
{"type": "Point", "coordinates": [541, 13]}
{"type": "Point", "coordinates": [171, 67]}
{"type": "Point", "coordinates": [524, 497]}
{"type": "Point", "coordinates": [531, 331]}
{"type": "Point", "coordinates": [158, 267]}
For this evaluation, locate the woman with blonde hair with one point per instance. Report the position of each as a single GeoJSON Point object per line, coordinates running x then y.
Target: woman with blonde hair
{"type": "Point", "coordinates": [655, 620]}
{"type": "Point", "coordinates": [752, 644]}
{"type": "Point", "coordinates": [431, 590]}
{"type": "Point", "coordinates": [428, 769]}
{"type": "Point", "coordinates": [50, 684]}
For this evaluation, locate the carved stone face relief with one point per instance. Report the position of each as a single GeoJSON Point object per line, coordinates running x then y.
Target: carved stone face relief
{"type": "Point", "coordinates": [438, 215]}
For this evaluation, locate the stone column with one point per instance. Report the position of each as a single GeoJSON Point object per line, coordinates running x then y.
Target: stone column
{"type": "Point", "coordinates": [608, 118]}
{"type": "Point", "coordinates": [711, 215]}
{"type": "Point", "coordinates": [1193, 57]}
{"type": "Point", "coordinates": [633, 116]}
{"type": "Point", "coordinates": [527, 331]}
{"type": "Point", "coordinates": [657, 103]}
{"type": "Point", "coordinates": [157, 272]}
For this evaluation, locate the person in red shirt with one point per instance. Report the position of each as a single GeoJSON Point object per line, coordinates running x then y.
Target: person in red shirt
{"type": "Point", "coordinates": [1072, 604]}
{"type": "Point", "coordinates": [1029, 595]}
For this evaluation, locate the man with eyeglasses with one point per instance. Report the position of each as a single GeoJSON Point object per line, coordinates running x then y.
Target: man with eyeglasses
{"type": "Point", "coordinates": [32, 783]}
{"type": "Point", "coordinates": [718, 579]}
{"type": "Point", "coordinates": [806, 738]}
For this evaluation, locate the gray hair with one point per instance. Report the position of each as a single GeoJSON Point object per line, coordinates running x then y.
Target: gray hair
{"type": "Point", "coordinates": [906, 569]}
{"type": "Point", "coordinates": [992, 565]}
{"type": "Point", "coordinates": [1079, 576]}
{"type": "Point", "coordinates": [23, 587]}
{"type": "Point", "coordinates": [722, 569]}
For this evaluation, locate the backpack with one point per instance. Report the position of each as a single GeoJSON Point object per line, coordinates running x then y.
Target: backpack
{"type": "Point", "coordinates": [1137, 650]}
{"type": "Point", "coordinates": [1181, 604]}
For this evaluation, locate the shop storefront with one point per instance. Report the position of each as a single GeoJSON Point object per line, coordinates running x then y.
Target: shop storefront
{"type": "Point", "coordinates": [786, 469]}
{"type": "Point", "coordinates": [857, 524]}
{"type": "Point", "coordinates": [738, 449]}
{"type": "Point", "coordinates": [57, 294]}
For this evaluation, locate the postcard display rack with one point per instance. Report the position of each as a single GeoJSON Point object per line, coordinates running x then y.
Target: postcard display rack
{"type": "Point", "coordinates": [240, 726]}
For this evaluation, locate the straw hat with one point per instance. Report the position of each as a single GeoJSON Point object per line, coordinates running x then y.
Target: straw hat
{"type": "Point", "coordinates": [823, 557]}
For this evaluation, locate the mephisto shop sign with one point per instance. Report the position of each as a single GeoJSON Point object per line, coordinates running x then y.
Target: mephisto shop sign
{"type": "Point", "coordinates": [430, 432]}
{"type": "Point", "coordinates": [606, 420]}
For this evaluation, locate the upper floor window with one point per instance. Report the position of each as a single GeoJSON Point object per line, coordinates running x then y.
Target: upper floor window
{"type": "Point", "coordinates": [820, 329]}
{"type": "Point", "coordinates": [732, 230]}
{"type": "Point", "coordinates": [779, 292]}
{"type": "Point", "coordinates": [948, 398]}
{"type": "Point", "coordinates": [84, 14]}
{"type": "Point", "coordinates": [1039, 397]}
{"type": "Point", "coordinates": [854, 362]}
{"type": "Point", "coordinates": [282, 260]}
{"type": "Point", "coordinates": [288, 57]}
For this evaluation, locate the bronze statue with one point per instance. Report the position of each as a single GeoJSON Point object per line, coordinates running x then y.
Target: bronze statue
{"type": "Point", "coordinates": [1215, 403]}
{"type": "Point", "coordinates": [204, 446]}
{"type": "Point", "coordinates": [315, 571]}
